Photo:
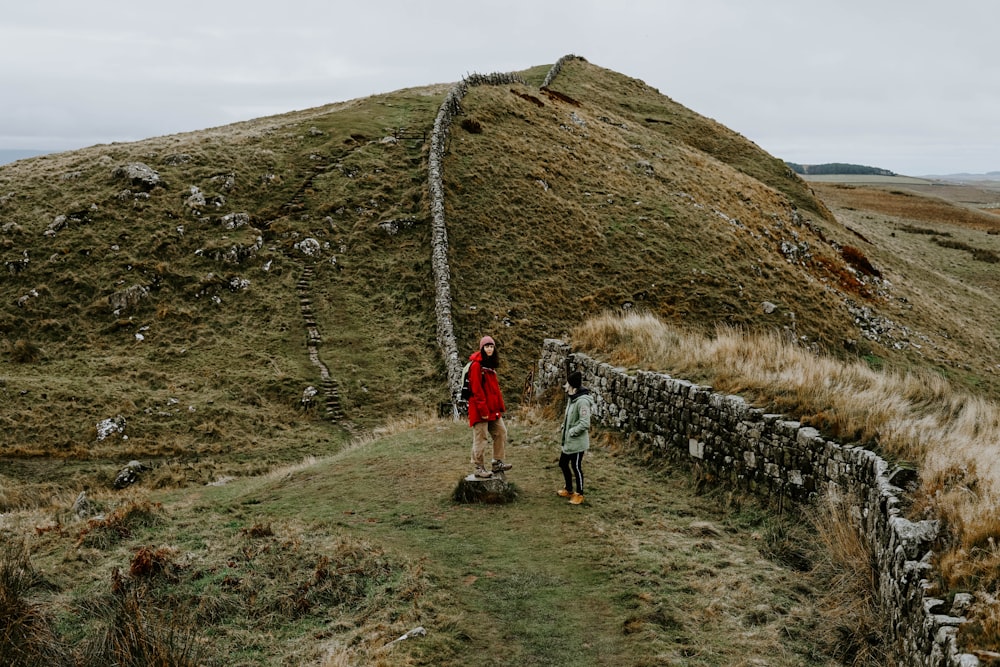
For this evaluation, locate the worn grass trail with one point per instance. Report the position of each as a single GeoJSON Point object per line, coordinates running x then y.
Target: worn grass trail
{"type": "Point", "coordinates": [644, 572]}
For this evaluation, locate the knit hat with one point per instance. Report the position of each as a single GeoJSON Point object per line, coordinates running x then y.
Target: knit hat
{"type": "Point", "coordinates": [575, 379]}
{"type": "Point", "coordinates": [484, 340]}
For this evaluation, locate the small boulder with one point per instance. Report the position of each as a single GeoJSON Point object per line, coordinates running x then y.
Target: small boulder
{"type": "Point", "coordinates": [138, 175]}
{"type": "Point", "coordinates": [129, 475]}
{"type": "Point", "coordinates": [111, 426]}
{"type": "Point", "coordinates": [904, 477]}
{"type": "Point", "coordinates": [82, 506]}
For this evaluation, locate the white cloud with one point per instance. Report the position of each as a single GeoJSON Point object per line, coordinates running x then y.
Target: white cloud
{"type": "Point", "coordinates": [902, 84]}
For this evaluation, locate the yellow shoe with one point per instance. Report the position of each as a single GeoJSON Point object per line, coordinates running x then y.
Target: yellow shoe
{"type": "Point", "coordinates": [563, 493]}
{"type": "Point", "coordinates": [576, 499]}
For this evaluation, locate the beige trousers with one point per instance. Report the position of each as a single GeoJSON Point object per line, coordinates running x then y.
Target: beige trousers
{"type": "Point", "coordinates": [482, 432]}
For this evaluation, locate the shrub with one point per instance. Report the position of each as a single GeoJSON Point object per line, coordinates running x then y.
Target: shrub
{"type": "Point", "coordinates": [258, 530]}
{"type": "Point", "coordinates": [472, 126]}
{"type": "Point", "coordinates": [25, 352]}
{"type": "Point", "coordinates": [134, 634]}
{"type": "Point", "coordinates": [857, 259]}
{"type": "Point", "coordinates": [27, 637]}
{"type": "Point", "coordinates": [923, 230]}
{"type": "Point", "coordinates": [983, 255]}
{"type": "Point", "coordinates": [149, 562]}
{"type": "Point", "coordinates": [118, 525]}
{"type": "Point", "coordinates": [844, 277]}
{"type": "Point", "coordinates": [978, 254]}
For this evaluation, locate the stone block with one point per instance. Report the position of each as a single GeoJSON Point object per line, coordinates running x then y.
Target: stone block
{"type": "Point", "coordinates": [494, 490]}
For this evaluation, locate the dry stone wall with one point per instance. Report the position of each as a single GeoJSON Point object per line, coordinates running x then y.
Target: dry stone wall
{"type": "Point", "coordinates": [745, 447]}
{"type": "Point", "coordinates": [557, 67]}
{"type": "Point", "coordinates": [451, 107]}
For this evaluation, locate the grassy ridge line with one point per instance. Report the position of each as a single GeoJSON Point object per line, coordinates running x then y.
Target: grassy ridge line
{"type": "Point", "coordinates": [570, 207]}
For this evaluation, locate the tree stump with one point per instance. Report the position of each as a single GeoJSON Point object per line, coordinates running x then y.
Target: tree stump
{"type": "Point", "coordinates": [495, 490]}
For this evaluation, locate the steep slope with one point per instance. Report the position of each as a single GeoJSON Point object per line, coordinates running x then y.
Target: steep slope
{"type": "Point", "coordinates": [154, 284]}
{"type": "Point", "coordinates": [601, 193]}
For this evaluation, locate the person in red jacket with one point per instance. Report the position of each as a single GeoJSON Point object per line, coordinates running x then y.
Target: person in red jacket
{"type": "Point", "coordinates": [486, 409]}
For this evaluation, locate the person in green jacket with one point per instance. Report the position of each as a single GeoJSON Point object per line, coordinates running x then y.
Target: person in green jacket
{"type": "Point", "coordinates": [575, 436]}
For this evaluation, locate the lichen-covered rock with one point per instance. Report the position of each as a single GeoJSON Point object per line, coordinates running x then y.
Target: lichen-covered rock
{"type": "Point", "coordinates": [138, 175]}
{"type": "Point", "coordinates": [129, 475]}
{"type": "Point", "coordinates": [127, 299]}
{"type": "Point", "coordinates": [110, 426]}
{"type": "Point", "coordinates": [82, 506]}
{"type": "Point", "coordinates": [235, 220]}
{"type": "Point", "coordinates": [309, 247]}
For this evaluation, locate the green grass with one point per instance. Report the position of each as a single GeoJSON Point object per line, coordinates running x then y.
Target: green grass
{"type": "Point", "coordinates": [219, 372]}
{"type": "Point", "coordinates": [341, 555]}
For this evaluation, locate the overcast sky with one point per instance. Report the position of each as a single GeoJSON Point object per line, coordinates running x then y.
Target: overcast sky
{"type": "Point", "coordinates": [906, 85]}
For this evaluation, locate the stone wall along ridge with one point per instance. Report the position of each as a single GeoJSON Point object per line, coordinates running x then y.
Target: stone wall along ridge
{"type": "Point", "coordinates": [450, 107]}
{"type": "Point", "coordinates": [747, 448]}
{"type": "Point", "coordinates": [557, 67]}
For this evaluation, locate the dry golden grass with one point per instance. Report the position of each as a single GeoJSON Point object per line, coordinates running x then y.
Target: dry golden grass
{"type": "Point", "coordinates": [28, 637]}
{"type": "Point", "coordinates": [951, 436]}
{"type": "Point", "coordinates": [898, 202]}
{"type": "Point", "coordinates": [913, 416]}
{"type": "Point", "coordinates": [856, 621]}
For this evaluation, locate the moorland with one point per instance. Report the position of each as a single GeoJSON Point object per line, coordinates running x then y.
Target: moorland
{"type": "Point", "coordinates": [160, 298]}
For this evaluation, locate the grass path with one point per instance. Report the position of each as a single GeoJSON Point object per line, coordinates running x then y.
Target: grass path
{"type": "Point", "coordinates": [644, 573]}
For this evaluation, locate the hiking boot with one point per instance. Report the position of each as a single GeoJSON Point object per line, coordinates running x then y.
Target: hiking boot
{"type": "Point", "coordinates": [576, 499]}
{"type": "Point", "coordinates": [563, 493]}
{"type": "Point", "coordinates": [500, 466]}
{"type": "Point", "coordinates": [483, 472]}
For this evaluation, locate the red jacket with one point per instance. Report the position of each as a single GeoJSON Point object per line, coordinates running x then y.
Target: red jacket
{"type": "Point", "coordinates": [486, 403]}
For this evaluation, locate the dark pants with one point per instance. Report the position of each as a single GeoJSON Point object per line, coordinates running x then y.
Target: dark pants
{"type": "Point", "coordinates": [572, 466]}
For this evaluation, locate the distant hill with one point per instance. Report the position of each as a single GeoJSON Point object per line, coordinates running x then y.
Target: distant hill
{"type": "Point", "coordinates": [837, 168]}
{"type": "Point", "coordinates": [14, 154]}
{"type": "Point", "coordinates": [965, 177]}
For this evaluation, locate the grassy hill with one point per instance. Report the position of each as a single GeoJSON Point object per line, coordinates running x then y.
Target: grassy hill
{"type": "Point", "coordinates": [175, 309]}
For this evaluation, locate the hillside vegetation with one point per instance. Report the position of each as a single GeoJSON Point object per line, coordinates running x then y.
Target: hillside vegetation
{"type": "Point", "coordinates": [157, 295]}
{"type": "Point", "coordinates": [174, 307]}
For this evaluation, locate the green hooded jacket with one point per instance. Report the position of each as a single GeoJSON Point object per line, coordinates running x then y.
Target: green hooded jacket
{"type": "Point", "coordinates": [576, 423]}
